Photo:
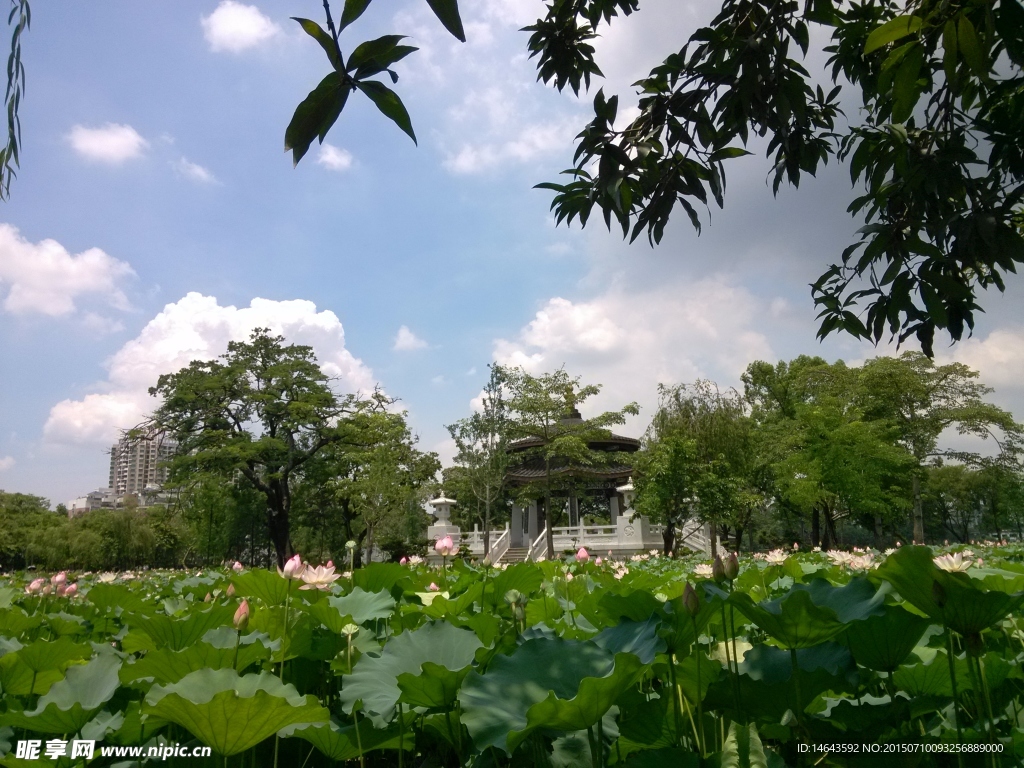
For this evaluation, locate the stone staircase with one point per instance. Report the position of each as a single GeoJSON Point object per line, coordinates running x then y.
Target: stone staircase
{"type": "Point", "coordinates": [514, 555]}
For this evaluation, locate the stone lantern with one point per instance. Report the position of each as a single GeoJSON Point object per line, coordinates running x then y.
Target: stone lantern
{"type": "Point", "coordinates": [628, 494]}
{"type": "Point", "coordinates": [443, 512]}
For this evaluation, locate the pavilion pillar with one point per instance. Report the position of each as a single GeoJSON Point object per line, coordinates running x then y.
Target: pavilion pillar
{"type": "Point", "coordinates": [574, 509]}
{"type": "Point", "coordinates": [532, 527]}
{"type": "Point", "coordinates": [613, 507]}
{"type": "Point", "coordinates": [516, 534]}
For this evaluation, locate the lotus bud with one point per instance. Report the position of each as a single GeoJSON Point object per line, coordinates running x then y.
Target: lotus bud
{"type": "Point", "coordinates": [208, 598]}
{"type": "Point", "coordinates": [598, 561]}
{"type": "Point", "coordinates": [330, 564]}
{"type": "Point", "coordinates": [35, 586]}
{"type": "Point", "coordinates": [582, 555]}
{"type": "Point", "coordinates": [690, 600]}
{"type": "Point", "coordinates": [230, 592]}
{"type": "Point", "coordinates": [70, 590]}
{"type": "Point", "coordinates": [718, 570]}
{"type": "Point", "coordinates": [241, 618]}
{"type": "Point", "coordinates": [403, 561]}
{"type": "Point", "coordinates": [58, 580]}
{"type": "Point", "coordinates": [293, 568]}
{"type": "Point", "coordinates": [444, 546]}
{"type": "Point", "coordinates": [568, 576]}
{"type": "Point", "coordinates": [47, 589]}
{"type": "Point", "coordinates": [433, 587]}
{"type": "Point", "coordinates": [237, 566]}
{"type": "Point", "coordinates": [487, 561]}
{"type": "Point", "coordinates": [732, 566]}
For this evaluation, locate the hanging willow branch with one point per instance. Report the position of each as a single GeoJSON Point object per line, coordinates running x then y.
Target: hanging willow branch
{"type": "Point", "coordinates": [21, 18]}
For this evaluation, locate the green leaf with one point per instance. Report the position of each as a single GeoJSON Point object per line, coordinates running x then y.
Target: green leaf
{"type": "Point", "coordinates": [892, 30]}
{"type": "Point", "coordinates": [743, 748]}
{"type": "Point", "coordinates": [448, 12]}
{"type": "Point", "coordinates": [376, 50]}
{"type": "Point", "coordinates": [178, 634]}
{"type": "Point", "coordinates": [375, 680]}
{"type": "Point", "coordinates": [165, 666]}
{"type": "Point", "coordinates": [326, 42]}
{"type": "Point", "coordinates": [548, 683]}
{"type": "Point", "coordinates": [340, 742]}
{"type": "Point", "coordinates": [378, 577]}
{"type": "Point", "coordinates": [967, 40]}
{"type": "Point", "coordinates": [73, 701]}
{"type": "Point", "coordinates": [906, 89]}
{"type": "Point", "coordinates": [389, 104]}
{"type": "Point", "coordinates": [353, 10]}
{"type": "Point", "coordinates": [883, 642]}
{"type": "Point", "coordinates": [231, 713]}
{"type": "Point", "coordinates": [727, 153]}
{"type": "Point", "coordinates": [34, 668]}
{"type": "Point", "coordinates": [110, 597]}
{"type": "Point", "coordinates": [313, 118]}
{"type": "Point", "coordinates": [364, 606]}
{"type": "Point", "coordinates": [637, 637]}
{"type": "Point", "coordinates": [268, 586]}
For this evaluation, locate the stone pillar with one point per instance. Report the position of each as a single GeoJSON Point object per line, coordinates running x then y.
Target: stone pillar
{"type": "Point", "coordinates": [574, 509]}
{"type": "Point", "coordinates": [516, 536]}
{"type": "Point", "coordinates": [532, 527]}
{"type": "Point", "coordinates": [613, 507]}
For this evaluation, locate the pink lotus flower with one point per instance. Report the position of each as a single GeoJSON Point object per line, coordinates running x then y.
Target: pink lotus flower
{"type": "Point", "coordinates": [330, 563]}
{"type": "Point", "coordinates": [241, 617]}
{"type": "Point", "coordinates": [568, 576]}
{"type": "Point", "coordinates": [35, 587]}
{"type": "Point", "coordinates": [47, 589]}
{"type": "Point", "coordinates": [237, 566]}
{"type": "Point", "coordinates": [70, 590]}
{"type": "Point", "coordinates": [293, 568]}
{"type": "Point", "coordinates": [403, 561]}
{"type": "Point", "coordinates": [598, 561]}
{"type": "Point", "coordinates": [582, 555]}
{"type": "Point", "coordinates": [230, 591]}
{"type": "Point", "coordinates": [444, 546]}
{"type": "Point", "coordinates": [433, 587]}
{"type": "Point", "coordinates": [59, 579]}
{"type": "Point", "coordinates": [321, 577]}
{"type": "Point", "coordinates": [208, 598]}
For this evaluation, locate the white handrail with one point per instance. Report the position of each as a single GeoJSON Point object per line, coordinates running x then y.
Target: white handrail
{"type": "Point", "coordinates": [500, 546]}
{"type": "Point", "coordinates": [541, 541]}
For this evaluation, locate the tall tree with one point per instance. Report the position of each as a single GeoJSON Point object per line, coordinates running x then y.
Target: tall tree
{"type": "Point", "coordinates": [922, 400]}
{"type": "Point", "coordinates": [709, 432]}
{"type": "Point", "coordinates": [541, 411]}
{"type": "Point", "coordinates": [263, 410]}
{"type": "Point", "coordinates": [481, 442]}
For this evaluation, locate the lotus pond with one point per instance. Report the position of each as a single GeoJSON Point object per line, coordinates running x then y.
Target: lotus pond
{"type": "Point", "coordinates": [651, 662]}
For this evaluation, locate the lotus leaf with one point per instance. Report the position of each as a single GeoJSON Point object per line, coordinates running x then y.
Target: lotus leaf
{"type": "Point", "coordinates": [659, 758]}
{"type": "Point", "coordinates": [743, 748]}
{"type": "Point", "coordinates": [166, 666]}
{"type": "Point", "coordinates": [375, 680]}
{"type": "Point", "coordinates": [37, 666]}
{"type": "Point", "coordinates": [364, 606]}
{"type": "Point", "coordinates": [637, 637]}
{"type": "Point", "coordinates": [178, 634]}
{"type": "Point", "coordinates": [339, 742]}
{"type": "Point", "coordinates": [380, 577]}
{"type": "Point", "coordinates": [229, 712]}
{"type": "Point", "coordinates": [554, 684]}
{"type": "Point", "coordinates": [111, 597]}
{"type": "Point", "coordinates": [883, 642]}
{"type": "Point", "coordinates": [953, 599]}
{"type": "Point", "coordinates": [14, 621]}
{"type": "Point", "coordinates": [524, 577]}
{"type": "Point", "coordinates": [262, 584]}
{"type": "Point", "coordinates": [73, 701]}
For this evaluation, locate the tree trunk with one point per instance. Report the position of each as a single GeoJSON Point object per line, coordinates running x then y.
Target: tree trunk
{"type": "Point", "coordinates": [277, 524]}
{"type": "Point", "coordinates": [487, 524]}
{"type": "Point", "coordinates": [713, 530]}
{"type": "Point", "coordinates": [918, 511]}
{"type": "Point", "coordinates": [816, 528]}
{"type": "Point", "coordinates": [878, 533]}
{"type": "Point", "coordinates": [739, 539]}
{"type": "Point", "coordinates": [668, 537]}
{"type": "Point", "coordinates": [369, 544]}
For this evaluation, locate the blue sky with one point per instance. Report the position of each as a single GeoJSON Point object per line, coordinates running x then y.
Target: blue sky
{"type": "Point", "coordinates": [156, 216]}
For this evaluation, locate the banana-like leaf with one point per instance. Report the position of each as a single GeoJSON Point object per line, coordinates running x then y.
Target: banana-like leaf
{"type": "Point", "coordinates": [232, 713]}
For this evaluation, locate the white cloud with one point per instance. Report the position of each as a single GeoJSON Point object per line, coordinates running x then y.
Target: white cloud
{"type": "Point", "coordinates": [999, 357]}
{"type": "Point", "coordinates": [629, 342]}
{"type": "Point", "coordinates": [43, 278]}
{"type": "Point", "coordinates": [334, 158]}
{"type": "Point", "coordinates": [196, 328]}
{"type": "Point", "coordinates": [6, 463]}
{"type": "Point", "coordinates": [407, 341]}
{"type": "Point", "coordinates": [112, 143]}
{"type": "Point", "coordinates": [531, 142]}
{"type": "Point", "coordinates": [235, 27]}
{"type": "Point", "coordinates": [194, 172]}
